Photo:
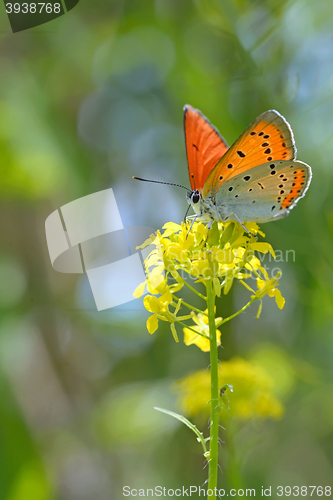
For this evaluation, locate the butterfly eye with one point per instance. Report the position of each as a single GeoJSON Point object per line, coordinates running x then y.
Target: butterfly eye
{"type": "Point", "coordinates": [195, 198]}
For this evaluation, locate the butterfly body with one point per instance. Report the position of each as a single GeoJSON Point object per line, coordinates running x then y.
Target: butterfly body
{"type": "Point", "coordinates": [207, 208]}
{"type": "Point", "coordinates": [258, 179]}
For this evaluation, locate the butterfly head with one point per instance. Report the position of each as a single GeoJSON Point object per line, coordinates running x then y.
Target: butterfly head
{"type": "Point", "coordinates": [194, 198]}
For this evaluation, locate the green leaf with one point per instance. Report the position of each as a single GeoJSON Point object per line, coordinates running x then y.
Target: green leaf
{"type": "Point", "coordinates": [227, 233]}
{"type": "Point", "coordinates": [200, 437]}
{"type": "Point", "coordinates": [213, 235]}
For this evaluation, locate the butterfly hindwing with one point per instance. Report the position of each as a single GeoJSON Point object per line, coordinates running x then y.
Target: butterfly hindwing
{"type": "Point", "coordinates": [268, 139]}
{"type": "Point", "coordinates": [265, 192]}
{"type": "Point", "coordinates": [204, 146]}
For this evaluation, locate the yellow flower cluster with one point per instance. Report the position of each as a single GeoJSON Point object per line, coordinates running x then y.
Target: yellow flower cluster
{"type": "Point", "coordinates": [252, 394]}
{"type": "Point", "coordinates": [220, 254]}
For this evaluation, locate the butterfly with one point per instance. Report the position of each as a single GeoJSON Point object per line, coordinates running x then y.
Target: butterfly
{"type": "Point", "coordinates": [257, 179]}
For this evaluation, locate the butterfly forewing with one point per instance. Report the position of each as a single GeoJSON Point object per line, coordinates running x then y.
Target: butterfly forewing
{"type": "Point", "coordinates": [204, 146]}
{"type": "Point", "coordinates": [265, 192]}
{"type": "Point", "coordinates": [269, 138]}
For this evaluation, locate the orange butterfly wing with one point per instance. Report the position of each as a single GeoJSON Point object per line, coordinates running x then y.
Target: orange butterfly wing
{"type": "Point", "coordinates": [269, 138]}
{"type": "Point", "coordinates": [204, 146]}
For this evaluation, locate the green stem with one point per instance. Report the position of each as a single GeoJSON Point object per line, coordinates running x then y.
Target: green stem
{"type": "Point", "coordinates": [195, 291]}
{"type": "Point", "coordinates": [189, 306]}
{"type": "Point", "coordinates": [214, 404]}
{"type": "Point", "coordinates": [192, 329]}
{"type": "Point", "coordinates": [236, 313]}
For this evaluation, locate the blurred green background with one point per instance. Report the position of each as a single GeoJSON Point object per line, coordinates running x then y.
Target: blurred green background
{"type": "Point", "coordinates": [88, 101]}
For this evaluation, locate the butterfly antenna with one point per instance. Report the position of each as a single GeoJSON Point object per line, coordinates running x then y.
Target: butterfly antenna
{"type": "Point", "coordinates": [161, 182]}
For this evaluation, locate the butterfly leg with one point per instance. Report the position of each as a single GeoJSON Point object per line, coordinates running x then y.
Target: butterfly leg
{"type": "Point", "coordinates": [241, 224]}
{"type": "Point", "coordinates": [210, 223]}
{"type": "Point", "coordinates": [187, 211]}
{"type": "Point", "coordinates": [193, 221]}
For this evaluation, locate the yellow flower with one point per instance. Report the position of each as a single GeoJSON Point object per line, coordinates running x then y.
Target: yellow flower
{"type": "Point", "coordinates": [201, 339]}
{"type": "Point", "coordinates": [160, 307]}
{"type": "Point", "coordinates": [220, 255]}
{"type": "Point", "coordinates": [262, 247]}
{"type": "Point", "coordinates": [252, 395]}
{"type": "Point", "coordinates": [269, 286]}
{"type": "Point", "coordinates": [155, 282]}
